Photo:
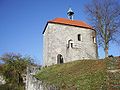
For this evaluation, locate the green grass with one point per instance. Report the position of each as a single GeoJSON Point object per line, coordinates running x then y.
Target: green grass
{"type": "Point", "coordinates": [77, 75]}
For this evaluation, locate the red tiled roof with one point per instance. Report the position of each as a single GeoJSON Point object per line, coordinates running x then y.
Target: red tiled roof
{"type": "Point", "coordinates": [70, 22]}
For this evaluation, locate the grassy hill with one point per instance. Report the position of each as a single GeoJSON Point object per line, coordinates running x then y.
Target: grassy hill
{"type": "Point", "coordinates": [77, 75]}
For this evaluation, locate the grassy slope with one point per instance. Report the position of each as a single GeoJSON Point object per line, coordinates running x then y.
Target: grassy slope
{"type": "Point", "coordinates": [80, 75]}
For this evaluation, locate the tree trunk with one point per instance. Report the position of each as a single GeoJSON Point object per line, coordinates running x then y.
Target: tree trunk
{"type": "Point", "coordinates": [106, 52]}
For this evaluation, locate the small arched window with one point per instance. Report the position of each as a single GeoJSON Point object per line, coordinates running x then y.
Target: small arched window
{"type": "Point", "coordinates": [94, 40]}
{"type": "Point", "coordinates": [79, 37]}
{"type": "Point", "coordinates": [59, 59]}
{"type": "Point", "coordinates": [70, 43]}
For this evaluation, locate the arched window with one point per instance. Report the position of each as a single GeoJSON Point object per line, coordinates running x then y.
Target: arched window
{"type": "Point", "coordinates": [79, 37]}
{"type": "Point", "coordinates": [70, 43]}
{"type": "Point", "coordinates": [59, 59]}
{"type": "Point", "coordinates": [94, 39]}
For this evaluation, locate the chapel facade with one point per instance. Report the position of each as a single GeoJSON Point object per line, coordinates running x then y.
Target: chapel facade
{"type": "Point", "coordinates": [67, 40]}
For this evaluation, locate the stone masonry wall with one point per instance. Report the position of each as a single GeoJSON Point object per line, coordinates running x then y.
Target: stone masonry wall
{"type": "Point", "coordinates": [56, 39]}
{"type": "Point", "coordinates": [33, 83]}
{"type": "Point", "coordinates": [2, 81]}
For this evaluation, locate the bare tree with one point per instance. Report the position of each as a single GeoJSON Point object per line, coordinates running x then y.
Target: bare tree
{"type": "Point", "coordinates": [105, 18]}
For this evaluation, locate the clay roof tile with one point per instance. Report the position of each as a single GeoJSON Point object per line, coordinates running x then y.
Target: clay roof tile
{"type": "Point", "coordinates": [70, 22]}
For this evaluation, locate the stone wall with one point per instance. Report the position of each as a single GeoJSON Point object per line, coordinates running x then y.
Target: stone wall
{"type": "Point", "coordinates": [56, 40]}
{"type": "Point", "coordinates": [2, 81]}
{"type": "Point", "coordinates": [33, 83]}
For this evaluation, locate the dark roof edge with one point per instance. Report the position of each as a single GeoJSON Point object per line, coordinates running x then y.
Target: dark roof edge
{"type": "Point", "coordinates": [45, 28]}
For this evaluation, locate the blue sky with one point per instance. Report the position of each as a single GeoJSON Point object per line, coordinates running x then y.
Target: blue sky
{"type": "Point", "coordinates": [22, 23]}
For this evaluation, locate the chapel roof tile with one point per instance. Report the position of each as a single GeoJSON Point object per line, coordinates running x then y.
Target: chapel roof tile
{"type": "Point", "coordinates": [65, 21]}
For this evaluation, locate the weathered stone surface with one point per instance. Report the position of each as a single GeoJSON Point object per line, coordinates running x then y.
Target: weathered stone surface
{"type": "Point", "coordinates": [2, 81]}
{"type": "Point", "coordinates": [33, 83]}
{"type": "Point", "coordinates": [56, 41]}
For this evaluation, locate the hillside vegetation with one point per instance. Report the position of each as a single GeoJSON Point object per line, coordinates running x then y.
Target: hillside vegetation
{"type": "Point", "coordinates": [77, 75]}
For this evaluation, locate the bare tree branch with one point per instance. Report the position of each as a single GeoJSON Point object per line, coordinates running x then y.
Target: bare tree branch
{"type": "Point", "coordinates": [105, 17]}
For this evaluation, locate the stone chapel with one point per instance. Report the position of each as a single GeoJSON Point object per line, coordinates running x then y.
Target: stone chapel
{"type": "Point", "coordinates": [67, 40]}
